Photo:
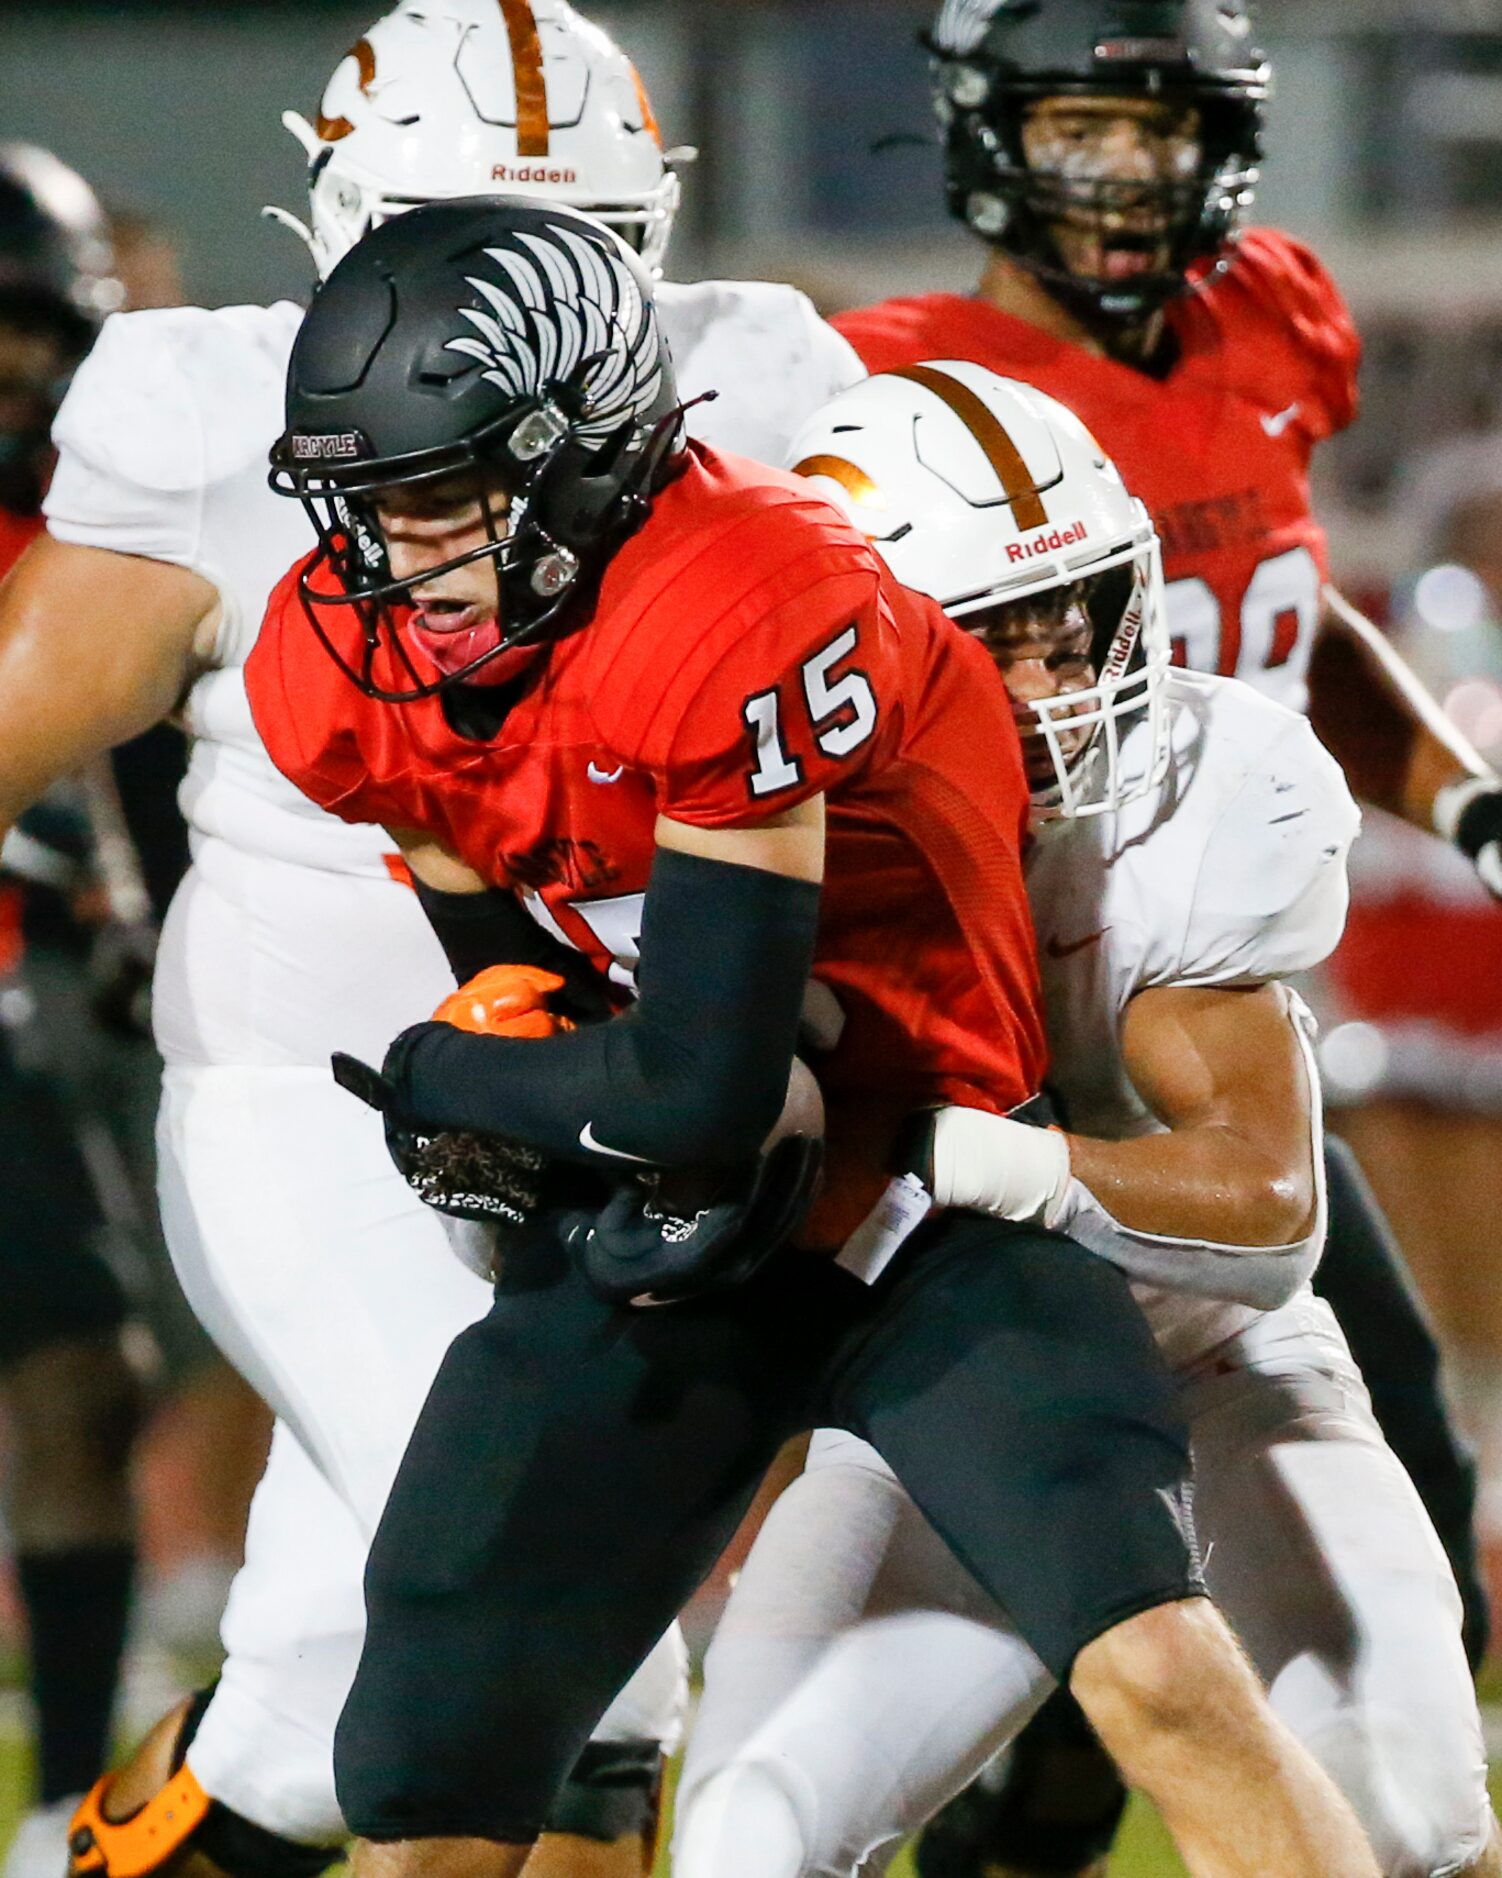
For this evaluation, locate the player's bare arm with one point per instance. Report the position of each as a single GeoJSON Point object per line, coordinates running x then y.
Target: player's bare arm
{"type": "Point", "coordinates": [95, 648]}
{"type": "Point", "coordinates": [1399, 750]}
{"type": "Point", "coordinates": [434, 864]}
{"type": "Point", "coordinates": [1225, 1072]}
{"type": "Point", "coordinates": [791, 843]}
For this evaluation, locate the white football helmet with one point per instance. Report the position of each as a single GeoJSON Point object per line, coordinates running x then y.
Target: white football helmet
{"type": "Point", "coordinates": [449, 98]}
{"type": "Point", "coordinates": [978, 491]}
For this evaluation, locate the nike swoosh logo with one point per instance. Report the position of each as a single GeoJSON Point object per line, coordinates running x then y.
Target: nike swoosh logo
{"type": "Point", "coordinates": [1278, 421]}
{"type": "Point", "coordinates": [596, 774]}
{"type": "Point", "coordinates": [587, 1140]}
{"type": "Point", "coordinates": [1057, 951]}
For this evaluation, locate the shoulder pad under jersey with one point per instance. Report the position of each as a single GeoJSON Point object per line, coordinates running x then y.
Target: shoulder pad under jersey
{"type": "Point", "coordinates": [180, 397]}
{"type": "Point", "coordinates": [1270, 893]}
{"type": "Point", "coordinates": [764, 350]}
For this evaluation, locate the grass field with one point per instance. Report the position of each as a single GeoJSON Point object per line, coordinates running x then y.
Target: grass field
{"type": "Point", "coordinates": [1143, 1850]}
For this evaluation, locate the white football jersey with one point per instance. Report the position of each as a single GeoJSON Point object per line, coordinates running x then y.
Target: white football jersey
{"type": "Point", "coordinates": [162, 445]}
{"type": "Point", "coordinates": [1231, 872]}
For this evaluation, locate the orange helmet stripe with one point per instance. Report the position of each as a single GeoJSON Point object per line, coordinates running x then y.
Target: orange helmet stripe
{"type": "Point", "coordinates": [531, 83]}
{"type": "Point", "coordinates": [992, 436]}
{"type": "Point", "coordinates": [331, 129]}
{"type": "Point", "coordinates": [648, 115]}
{"type": "Point", "coordinates": [850, 476]}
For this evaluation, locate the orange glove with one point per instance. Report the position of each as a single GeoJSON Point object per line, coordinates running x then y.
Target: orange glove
{"type": "Point", "coordinates": [505, 1001]}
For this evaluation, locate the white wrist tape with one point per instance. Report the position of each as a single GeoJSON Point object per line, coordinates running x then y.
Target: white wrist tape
{"type": "Point", "coordinates": [1261, 1276]}
{"type": "Point", "coordinates": [993, 1165]}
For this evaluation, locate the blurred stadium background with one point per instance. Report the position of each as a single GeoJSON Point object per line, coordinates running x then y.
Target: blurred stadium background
{"type": "Point", "coordinates": [817, 164]}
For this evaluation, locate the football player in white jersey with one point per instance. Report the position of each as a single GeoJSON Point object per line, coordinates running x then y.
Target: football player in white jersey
{"type": "Point", "coordinates": [1190, 852]}
{"type": "Point", "coordinates": [320, 1275]}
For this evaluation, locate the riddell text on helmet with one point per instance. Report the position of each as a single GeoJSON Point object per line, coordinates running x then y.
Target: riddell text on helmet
{"type": "Point", "coordinates": [1047, 544]}
{"type": "Point", "coordinates": [531, 173]}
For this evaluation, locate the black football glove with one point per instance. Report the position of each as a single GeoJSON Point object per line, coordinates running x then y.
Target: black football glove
{"type": "Point", "coordinates": [472, 1176]}
{"type": "Point", "coordinates": [657, 1242]}
{"type": "Point", "coordinates": [1469, 813]}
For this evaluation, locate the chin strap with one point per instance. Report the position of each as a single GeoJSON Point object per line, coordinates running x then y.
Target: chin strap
{"type": "Point", "coordinates": [313, 147]}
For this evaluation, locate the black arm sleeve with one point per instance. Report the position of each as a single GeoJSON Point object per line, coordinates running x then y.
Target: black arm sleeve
{"type": "Point", "coordinates": [494, 928]}
{"type": "Point", "coordinates": [694, 1075]}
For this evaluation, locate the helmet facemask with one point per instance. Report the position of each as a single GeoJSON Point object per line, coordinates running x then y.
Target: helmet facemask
{"type": "Point", "coordinates": [550, 508]}
{"type": "Point", "coordinates": [1073, 741]}
{"type": "Point", "coordinates": [1016, 195]}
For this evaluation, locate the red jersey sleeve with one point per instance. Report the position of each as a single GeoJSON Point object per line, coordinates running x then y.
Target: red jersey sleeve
{"type": "Point", "coordinates": [783, 678]}
{"type": "Point", "coordinates": [311, 718]}
{"type": "Point", "coordinates": [1292, 284]}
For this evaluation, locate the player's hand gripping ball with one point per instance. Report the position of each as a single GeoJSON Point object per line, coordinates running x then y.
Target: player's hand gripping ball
{"type": "Point", "coordinates": [505, 1001]}
{"type": "Point", "coordinates": [484, 1177]}
{"type": "Point", "coordinates": [671, 1234]}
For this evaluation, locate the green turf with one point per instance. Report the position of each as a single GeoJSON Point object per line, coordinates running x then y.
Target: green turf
{"type": "Point", "coordinates": [1142, 1851]}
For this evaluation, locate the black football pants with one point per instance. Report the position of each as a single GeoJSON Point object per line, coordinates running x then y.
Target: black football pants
{"type": "Point", "coordinates": [577, 1470]}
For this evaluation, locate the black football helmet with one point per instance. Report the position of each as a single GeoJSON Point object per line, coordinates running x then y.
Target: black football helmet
{"type": "Point", "coordinates": [992, 59]}
{"type": "Point", "coordinates": [484, 338]}
{"type": "Point", "coordinates": [57, 284]}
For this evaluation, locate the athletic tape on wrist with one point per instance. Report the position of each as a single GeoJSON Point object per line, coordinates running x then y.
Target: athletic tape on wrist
{"type": "Point", "coordinates": [991, 1164]}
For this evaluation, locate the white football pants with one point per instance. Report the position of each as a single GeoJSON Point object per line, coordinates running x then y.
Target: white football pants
{"type": "Point", "coordinates": [859, 1679]}
{"type": "Point", "coordinates": [323, 1280]}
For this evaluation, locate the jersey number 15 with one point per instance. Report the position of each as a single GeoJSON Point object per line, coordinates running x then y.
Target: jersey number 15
{"type": "Point", "coordinates": [841, 712]}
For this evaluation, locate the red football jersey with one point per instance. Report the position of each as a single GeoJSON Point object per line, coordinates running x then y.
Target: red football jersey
{"type": "Point", "coordinates": [1218, 449]}
{"type": "Point", "coordinates": [747, 651]}
{"type": "Point", "coordinates": [17, 532]}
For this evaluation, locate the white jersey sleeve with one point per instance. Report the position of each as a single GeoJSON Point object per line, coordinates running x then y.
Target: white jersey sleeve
{"type": "Point", "coordinates": [1271, 891]}
{"type": "Point", "coordinates": [764, 350]}
{"type": "Point", "coordinates": [162, 444]}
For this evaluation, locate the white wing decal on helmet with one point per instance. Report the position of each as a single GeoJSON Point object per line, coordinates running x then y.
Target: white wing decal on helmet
{"type": "Point", "coordinates": [962, 25]}
{"type": "Point", "coordinates": [564, 306]}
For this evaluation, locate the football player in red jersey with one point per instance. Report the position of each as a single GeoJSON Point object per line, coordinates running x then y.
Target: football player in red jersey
{"type": "Point", "coordinates": [1105, 151]}
{"type": "Point", "coordinates": [668, 705]}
